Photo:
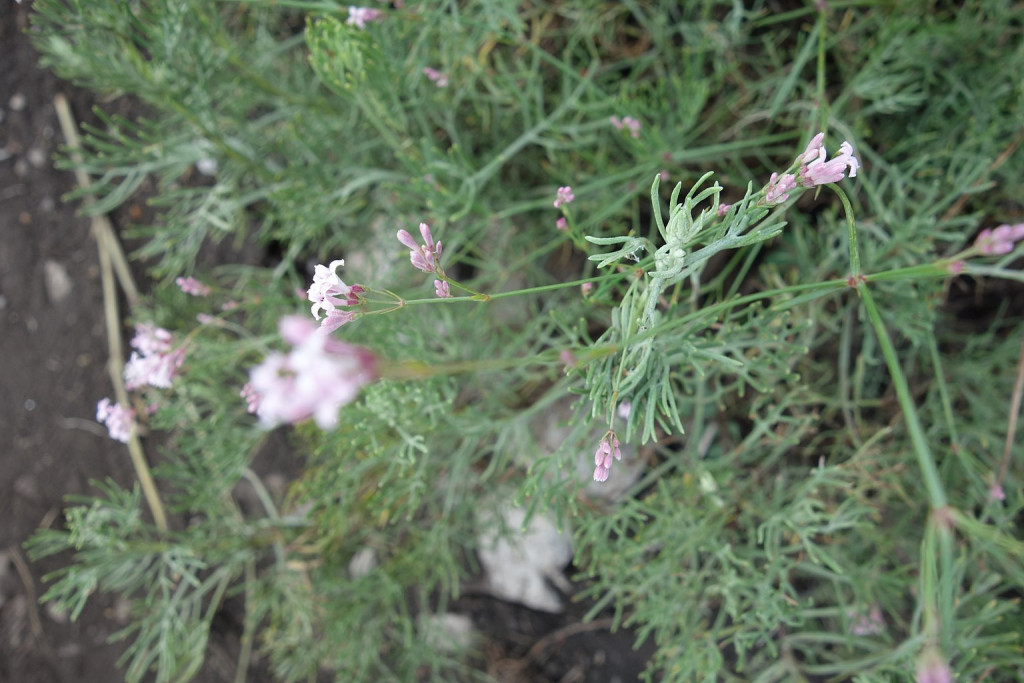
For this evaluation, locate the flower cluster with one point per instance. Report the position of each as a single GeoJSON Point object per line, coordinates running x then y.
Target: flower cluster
{"type": "Point", "coordinates": [999, 241]}
{"type": "Point", "coordinates": [439, 78]}
{"type": "Point", "coordinates": [933, 668]}
{"type": "Point", "coordinates": [777, 190]}
{"type": "Point", "coordinates": [315, 379]}
{"type": "Point", "coordinates": [427, 257]}
{"type": "Point", "coordinates": [154, 362]}
{"type": "Point", "coordinates": [606, 450]}
{"type": "Point", "coordinates": [627, 122]}
{"type": "Point", "coordinates": [564, 196]}
{"type": "Point", "coordinates": [869, 623]}
{"type": "Point", "coordinates": [332, 296]}
{"type": "Point", "coordinates": [192, 286]}
{"type": "Point", "coordinates": [117, 418]}
{"type": "Point", "coordinates": [361, 16]}
{"type": "Point", "coordinates": [813, 168]}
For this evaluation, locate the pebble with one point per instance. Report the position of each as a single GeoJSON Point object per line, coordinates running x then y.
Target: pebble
{"type": "Point", "coordinates": [57, 281]}
{"type": "Point", "coordinates": [17, 102]}
{"type": "Point", "coordinates": [36, 157]}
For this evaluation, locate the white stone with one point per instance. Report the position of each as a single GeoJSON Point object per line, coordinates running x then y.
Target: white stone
{"type": "Point", "coordinates": [521, 563]}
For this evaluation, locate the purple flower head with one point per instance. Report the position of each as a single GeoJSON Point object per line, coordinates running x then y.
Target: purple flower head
{"type": "Point", "coordinates": [998, 241]}
{"type": "Point", "coordinates": [192, 286]}
{"type": "Point", "coordinates": [439, 78]}
{"type": "Point", "coordinates": [816, 170]}
{"type": "Point", "coordinates": [117, 418]}
{"type": "Point", "coordinates": [361, 16]}
{"type": "Point", "coordinates": [606, 450]}
{"type": "Point", "coordinates": [150, 339]}
{"type": "Point", "coordinates": [564, 196]}
{"type": "Point", "coordinates": [562, 224]}
{"type": "Point", "coordinates": [723, 209]}
{"type": "Point", "coordinates": [252, 399]}
{"type": "Point", "coordinates": [427, 256]}
{"type": "Point", "coordinates": [158, 370]}
{"type": "Point", "coordinates": [154, 363]}
{"type": "Point", "coordinates": [628, 122]}
{"type": "Point", "coordinates": [777, 190]}
{"type": "Point", "coordinates": [814, 148]}
{"type": "Point", "coordinates": [868, 623]}
{"type": "Point", "coordinates": [315, 379]}
{"type": "Point", "coordinates": [442, 290]}
{"type": "Point", "coordinates": [932, 668]}
{"type": "Point", "coordinates": [329, 295]}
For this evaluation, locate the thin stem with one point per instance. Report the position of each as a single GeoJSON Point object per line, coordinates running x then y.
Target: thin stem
{"type": "Point", "coordinates": [106, 243]}
{"type": "Point", "coordinates": [936, 493]}
{"type": "Point", "coordinates": [851, 227]}
{"type": "Point", "coordinates": [1011, 427]}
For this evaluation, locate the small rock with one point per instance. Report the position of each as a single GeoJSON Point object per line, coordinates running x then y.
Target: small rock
{"type": "Point", "coordinates": [36, 157]}
{"type": "Point", "coordinates": [17, 102]}
{"type": "Point", "coordinates": [520, 564]}
{"type": "Point", "coordinates": [58, 282]}
{"type": "Point", "coordinates": [57, 614]}
{"type": "Point", "coordinates": [362, 563]}
{"type": "Point", "coordinates": [26, 486]}
{"type": "Point", "coordinates": [448, 632]}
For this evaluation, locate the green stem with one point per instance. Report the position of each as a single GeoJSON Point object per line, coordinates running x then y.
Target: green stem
{"type": "Point", "coordinates": [936, 493]}
{"type": "Point", "coordinates": [937, 587]}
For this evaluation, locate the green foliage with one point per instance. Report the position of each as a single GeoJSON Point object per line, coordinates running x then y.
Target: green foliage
{"type": "Point", "coordinates": [842, 433]}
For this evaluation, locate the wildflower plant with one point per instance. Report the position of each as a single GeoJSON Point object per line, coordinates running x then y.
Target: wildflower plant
{"type": "Point", "coordinates": [826, 469]}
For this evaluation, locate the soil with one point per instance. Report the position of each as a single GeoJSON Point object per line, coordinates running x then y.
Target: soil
{"type": "Point", "coordinates": [53, 360]}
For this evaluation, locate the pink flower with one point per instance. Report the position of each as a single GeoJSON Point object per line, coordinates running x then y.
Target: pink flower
{"type": "Point", "coordinates": [723, 209]}
{"type": "Point", "coordinates": [629, 122]}
{"type": "Point", "coordinates": [998, 241]}
{"type": "Point", "coordinates": [442, 290]}
{"type": "Point", "coordinates": [192, 286]}
{"type": "Point", "coordinates": [440, 79]}
{"type": "Point", "coordinates": [426, 257]}
{"type": "Point", "coordinates": [150, 339]}
{"type": "Point", "coordinates": [586, 288]}
{"type": "Point", "coordinates": [606, 450]}
{"type": "Point", "coordinates": [567, 358]}
{"type": "Point", "coordinates": [932, 668]}
{"type": "Point", "coordinates": [158, 370]}
{"type": "Point", "coordinates": [329, 294]}
{"type": "Point", "coordinates": [996, 493]}
{"type": "Point", "coordinates": [867, 624]}
{"type": "Point", "coordinates": [252, 399]}
{"type": "Point", "coordinates": [777, 190]}
{"type": "Point", "coordinates": [814, 148]}
{"type": "Point", "coordinates": [562, 224]}
{"type": "Point", "coordinates": [360, 16]}
{"type": "Point", "coordinates": [817, 171]}
{"type": "Point", "coordinates": [154, 363]}
{"type": "Point", "coordinates": [117, 418]}
{"type": "Point", "coordinates": [315, 379]}
{"type": "Point", "coordinates": [564, 196]}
